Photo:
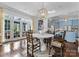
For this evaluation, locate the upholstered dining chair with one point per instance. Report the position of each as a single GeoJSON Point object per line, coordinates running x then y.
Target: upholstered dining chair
{"type": "Point", "coordinates": [33, 44]}
{"type": "Point", "coordinates": [60, 36]}
{"type": "Point", "coordinates": [70, 46]}
{"type": "Point", "coordinates": [57, 44]}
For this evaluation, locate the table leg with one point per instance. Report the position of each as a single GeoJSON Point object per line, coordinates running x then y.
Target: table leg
{"type": "Point", "coordinates": [43, 46]}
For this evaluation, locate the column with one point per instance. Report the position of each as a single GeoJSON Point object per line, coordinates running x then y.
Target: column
{"type": "Point", "coordinates": [1, 32]}
{"type": "Point", "coordinates": [12, 33]}
{"type": "Point", "coordinates": [66, 26]}
{"type": "Point", "coordinates": [33, 26]}
{"type": "Point", "coordinates": [21, 42]}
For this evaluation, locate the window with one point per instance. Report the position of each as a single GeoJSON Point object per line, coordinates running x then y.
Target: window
{"type": "Point", "coordinates": [7, 29]}
{"type": "Point", "coordinates": [24, 29]}
{"type": "Point", "coordinates": [16, 29]}
{"type": "Point", "coordinates": [7, 25]}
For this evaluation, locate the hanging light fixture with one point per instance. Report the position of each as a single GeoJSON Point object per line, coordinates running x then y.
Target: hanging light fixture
{"type": "Point", "coordinates": [43, 12]}
{"type": "Point", "coordinates": [65, 18]}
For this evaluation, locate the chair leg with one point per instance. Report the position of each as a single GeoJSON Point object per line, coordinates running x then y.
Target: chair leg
{"type": "Point", "coordinates": [49, 50]}
{"type": "Point", "coordinates": [39, 45]}
{"type": "Point", "coordinates": [49, 47]}
{"type": "Point", "coordinates": [61, 52]}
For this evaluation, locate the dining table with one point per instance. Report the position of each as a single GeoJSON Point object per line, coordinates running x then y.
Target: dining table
{"type": "Point", "coordinates": [41, 36]}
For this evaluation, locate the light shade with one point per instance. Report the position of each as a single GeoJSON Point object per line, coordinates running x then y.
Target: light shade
{"type": "Point", "coordinates": [43, 13]}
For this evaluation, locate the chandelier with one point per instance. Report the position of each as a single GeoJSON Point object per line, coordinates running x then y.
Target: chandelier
{"type": "Point", "coordinates": [43, 12]}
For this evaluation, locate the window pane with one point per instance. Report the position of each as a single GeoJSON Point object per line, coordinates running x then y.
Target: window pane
{"type": "Point", "coordinates": [24, 26]}
{"type": "Point", "coordinates": [23, 29]}
{"type": "Point", "coordinates": [7, 29]}
{"type": "Point", "coordinates": [16, 29]}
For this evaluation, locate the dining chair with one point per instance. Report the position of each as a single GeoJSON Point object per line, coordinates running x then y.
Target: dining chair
{"type": "Point", "coordinates": [70, 46]}
{"type": "Point", "coordinates": [57, 44]}
{"type": "Point", "coordinates": [33, 44]}
{"type": "Point", "coordinates": [60, 37]}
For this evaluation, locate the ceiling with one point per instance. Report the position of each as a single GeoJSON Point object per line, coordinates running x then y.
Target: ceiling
{"type": "Point", "coordinates": [31, 8]}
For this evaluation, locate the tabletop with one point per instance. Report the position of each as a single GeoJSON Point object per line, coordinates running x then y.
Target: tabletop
{"type": "Point", "coordinates": [42, 35]}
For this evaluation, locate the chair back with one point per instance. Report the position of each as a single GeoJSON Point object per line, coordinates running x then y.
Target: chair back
{"type": "Point", "coordinates": [70, 36]}
{"type": "Point", "coordinates": [33, 44]}
{"type": "Point", "coordinates": [63, 35]}
{"type": "Point", "coordinates": [29, 36]}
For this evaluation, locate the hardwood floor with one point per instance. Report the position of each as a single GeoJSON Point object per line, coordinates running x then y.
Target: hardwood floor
{"type": "Point", "coordinates": [22, 52]}
{"type": "Point", "coordinates": [16, 53]}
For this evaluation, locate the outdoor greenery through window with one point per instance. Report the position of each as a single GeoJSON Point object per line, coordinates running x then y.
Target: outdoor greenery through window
{"type": "Point", "coordinates": [7, 29]}
{"type": "Point", "coordinates": [16, 29]}
{"type": "Point", "coordinates": [24, 29]}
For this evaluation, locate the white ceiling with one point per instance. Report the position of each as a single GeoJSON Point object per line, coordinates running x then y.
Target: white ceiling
{"type": "Point", "coordinates": [32, 8]}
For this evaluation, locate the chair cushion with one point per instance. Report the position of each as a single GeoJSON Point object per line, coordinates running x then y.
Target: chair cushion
{"type": "Point", "coordinates": [56, 44]}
